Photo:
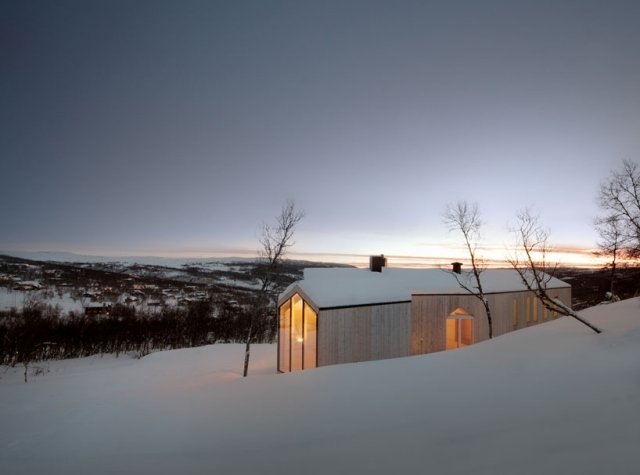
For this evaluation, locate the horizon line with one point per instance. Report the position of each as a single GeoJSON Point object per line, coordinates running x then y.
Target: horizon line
{"type": "Point", "coordinates": [565, 257]}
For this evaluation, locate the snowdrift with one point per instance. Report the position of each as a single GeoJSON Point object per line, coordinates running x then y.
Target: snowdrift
{"type": "Point", "coordinates": [555, 398]}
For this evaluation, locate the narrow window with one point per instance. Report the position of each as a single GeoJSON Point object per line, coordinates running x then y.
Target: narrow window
{"type": "Point", "coordinates": [297, 338]}
{"type": "Point", "coordinates": [466, 332]}
{"type": "Point", "coordinates": [514, 313]}
{"type": "Point", "coordinates": [310, 328]}
{"type": "Point", "coordinates": [284, 337]}
{"type": "Point", "coordinates": [528, 308]}
{"type": "Point", "coordinates": [535, 310]}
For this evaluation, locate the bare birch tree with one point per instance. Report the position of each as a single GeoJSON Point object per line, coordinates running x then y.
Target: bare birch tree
{"type": "Point", "coordinates": [275, 240]}
{"type": "Point", "coordinates": [531, 260]}
{"type": "Point", "coordinates": [620, 200]}
{"type": "Point", "coordinates": [610, 245]}
{"type": "Point", "coordinates": [465, 218]}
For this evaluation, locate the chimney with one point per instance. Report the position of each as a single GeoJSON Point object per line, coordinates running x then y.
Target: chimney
{"type": "Point", "coordinates": [376, 263]}
{"type": "Point", "coordinates": [456, 267]}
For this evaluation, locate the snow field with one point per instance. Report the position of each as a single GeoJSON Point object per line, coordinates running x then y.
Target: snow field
{"type": "Point", "coordinates": [555, 398]}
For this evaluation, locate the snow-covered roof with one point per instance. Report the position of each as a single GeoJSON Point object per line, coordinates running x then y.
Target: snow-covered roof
{"type": "Point", "coordinates": [340, 287]}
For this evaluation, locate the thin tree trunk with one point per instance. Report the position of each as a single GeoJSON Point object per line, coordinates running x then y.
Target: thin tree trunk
{"type": "Point", "coordinates": [613, 275]}
{"type": "Point", "coordinates": [247, 351]}
{"type": "Point", "coordinates": [489, 319]}
{"type": "Point", "coordinates": [581, 320]}
{"type": "Point", "coordinates": [571, 313]}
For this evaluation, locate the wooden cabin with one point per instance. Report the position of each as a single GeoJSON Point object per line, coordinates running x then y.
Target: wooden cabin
{"type": "Point", "coordinates": [346, 315]}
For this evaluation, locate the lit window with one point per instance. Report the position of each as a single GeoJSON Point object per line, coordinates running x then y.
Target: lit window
{"type": "Point", "coordinates": [310, 329]}
{"type": "Point", "coordinates": [296, 332]}
{"type": "Point", "coordinates": [514, 313]}
{"type": "Point", "coordinates": [297, 335]}
{"type": "Point", "coordinates": [284, 336]}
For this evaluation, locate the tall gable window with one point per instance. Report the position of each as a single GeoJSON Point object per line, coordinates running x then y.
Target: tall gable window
{"type": "Point", "coordinates": [297, 335]}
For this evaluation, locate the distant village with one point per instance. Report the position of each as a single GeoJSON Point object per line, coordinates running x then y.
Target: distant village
{"type": "Point", "coordinates": [95, 289]}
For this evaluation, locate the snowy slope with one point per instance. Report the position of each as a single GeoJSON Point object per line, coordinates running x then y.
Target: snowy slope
{"type": "Point", "coordinates": [555, 398]}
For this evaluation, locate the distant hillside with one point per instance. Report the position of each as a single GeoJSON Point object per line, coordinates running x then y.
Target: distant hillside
{"type": "Point", "coordinates": [589, 286]}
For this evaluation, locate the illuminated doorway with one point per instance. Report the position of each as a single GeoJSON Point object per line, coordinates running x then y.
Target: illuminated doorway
{"type": "Point", "coordinates": [297, 335]}
{"type": "Point", "coordinates": [459, 331]}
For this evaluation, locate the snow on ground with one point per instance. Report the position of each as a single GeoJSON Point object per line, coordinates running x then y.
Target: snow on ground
{"type": "Point", "coordinates": [254, 284]}
{"type": "Point", "coordinates": [16, 299]}
{"type": "Point", "coordinates": [555, 398]}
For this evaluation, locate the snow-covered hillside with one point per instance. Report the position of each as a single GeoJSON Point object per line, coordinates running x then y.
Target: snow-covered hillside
{"type": "Point", "coordinates": [555, 398]}
{"type": "Point", "coordinates": [177, 262]}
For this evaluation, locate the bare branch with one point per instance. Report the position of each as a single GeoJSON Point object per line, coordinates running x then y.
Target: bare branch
{"type": "Point", "coordinates": [275, 239]}
{"type": "Point", "coordinates": [530, 260]}
{"type": "Point", "coordinates": [611, 244]}
{"type": "Point", "coordinates": [619, 198]}
{"type": "Point", "coordinates": [465, 218]}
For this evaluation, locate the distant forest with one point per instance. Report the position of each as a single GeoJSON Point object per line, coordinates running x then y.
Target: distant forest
{"type": "Point", "coordinates": [209, 313]}
{"type": "Point", "coordinates": [39, 332]}
{"type": "Point", "coordinates": [212, 312]}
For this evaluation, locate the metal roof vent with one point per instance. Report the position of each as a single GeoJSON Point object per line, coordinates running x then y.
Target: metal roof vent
{"type": "Point", "coordinates": [456, 267]}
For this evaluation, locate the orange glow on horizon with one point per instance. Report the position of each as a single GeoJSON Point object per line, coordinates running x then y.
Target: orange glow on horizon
{"type": "Point", "coordinates": [492, 258]}
{"type": "Point", "coordinates": [430, 256]}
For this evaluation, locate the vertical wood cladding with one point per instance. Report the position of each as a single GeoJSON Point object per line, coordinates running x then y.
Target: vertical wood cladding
{"type": "Point", "coordinates": [429, 314]}
{"type": "Point", "coordinates": [348, 335]}
{"type": "Point", "coordinates": [373, 332]}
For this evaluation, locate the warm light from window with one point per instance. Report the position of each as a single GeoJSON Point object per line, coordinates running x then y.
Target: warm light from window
{"type": "Point", "coordinates": [460, 311]}
{"type": "Point", "coordinates": [299, 340]}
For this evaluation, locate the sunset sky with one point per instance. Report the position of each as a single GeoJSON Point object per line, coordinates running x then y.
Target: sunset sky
{"type": "Point", "coordinates": [177, 128]}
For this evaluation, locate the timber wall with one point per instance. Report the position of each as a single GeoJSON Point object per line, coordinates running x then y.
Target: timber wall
{"type": "Point", "coordinates": [510, 311]}
{"type": "Point", "coordinates": [364, 333]}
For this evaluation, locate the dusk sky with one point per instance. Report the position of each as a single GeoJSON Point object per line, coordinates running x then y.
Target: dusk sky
{"type": "Point", "coordinates": [176, 128]}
